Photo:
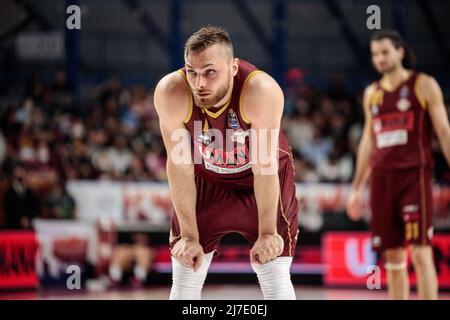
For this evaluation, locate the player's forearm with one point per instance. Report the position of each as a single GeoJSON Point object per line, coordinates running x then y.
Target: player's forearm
{"type": "Point", "coordinates": [362, 164]}
{"type": "Point", "coordinates": [183, 193]}
{"type": "Point", "coordinates": [267, 193]}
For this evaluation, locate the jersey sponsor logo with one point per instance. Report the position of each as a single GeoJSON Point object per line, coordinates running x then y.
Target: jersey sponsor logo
{"type": "Point", "coordinates": [393, 121]}
{"type": "Point", "coordinates": [391, 138]}
{"type": "Point", "coordinates": [224, 161]}
{"type": "Point", "coordinates": [222, 152]}
{"type": "Point", "coordinates": [225, 170]}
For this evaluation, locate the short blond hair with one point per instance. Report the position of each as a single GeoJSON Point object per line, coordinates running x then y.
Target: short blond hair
{"type": "Point", "coordinates": [206, 37]}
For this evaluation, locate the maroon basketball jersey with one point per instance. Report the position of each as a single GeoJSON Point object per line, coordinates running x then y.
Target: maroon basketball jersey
{"type": "Point", "coordinates": [225, 161]}
{"type": "Point", "coordinates": [401, 127]}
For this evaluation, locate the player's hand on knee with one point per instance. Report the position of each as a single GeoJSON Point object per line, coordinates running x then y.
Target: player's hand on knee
{"type": "Point", "coordinates": [267, 247]}
{"type": "Point", "coordinates": [188, 252]}
{"type": "Point", "coordinates": [354, 205]}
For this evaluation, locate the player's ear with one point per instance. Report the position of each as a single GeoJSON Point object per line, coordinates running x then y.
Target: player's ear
{"type": "Point", "coordinates": [401, 51]}
{"type": "Point", "coordinates": [235, 66]}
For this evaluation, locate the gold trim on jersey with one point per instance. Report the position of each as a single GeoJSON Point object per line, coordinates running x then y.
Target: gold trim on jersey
{"type": "Point", "coordinates": [249, 76]}
{"type": "Point", "coordinates": [384, 87]}
{"type": "Point", "coordinates": [218, 113]}
{"type": "Point", "coordinates": [287, 222]}
{"type": "Point", "coordinates": [390, 90]}
{"type": "Point", "coordinates": [376, 98]}
{"type": "Point", "coordinates": [281, 201]}
{"type": "Point", "coordinates": [189, 114]}
{"type": "Point", "coordinates": [206, 125]}
{"type": "Point", "coordinates": [419, 96]}
{"type": "Point", "coordinates": [290, 157]}
{"type": "Point", "coordinates": [190, 103]}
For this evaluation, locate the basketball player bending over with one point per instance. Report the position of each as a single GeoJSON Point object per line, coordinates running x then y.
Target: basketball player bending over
{"type": "Point", "coordinates": [230, 113]}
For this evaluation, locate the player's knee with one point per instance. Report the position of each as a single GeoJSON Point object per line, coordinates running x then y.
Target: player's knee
{"type": "Point", "coordinates": [397, 255]}
{"type": "Point", "coordinates": [275, 279]}
{"type": "Point", "coordinates": [395, 259]}
{"type": "Point", "coordinates": [278, 267]}
{"type": "Point", "coordinates": [186, 283]}
{"type": "Point", "coordinates": [421, 256]}
{"type": "Point", "coordinates": [185, 277]}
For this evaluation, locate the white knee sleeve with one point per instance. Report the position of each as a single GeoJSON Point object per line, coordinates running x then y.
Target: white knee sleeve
{"type": "Point", "coordinates": [186, 283]}
{"type": "Point", "coordinates": [275, 279]}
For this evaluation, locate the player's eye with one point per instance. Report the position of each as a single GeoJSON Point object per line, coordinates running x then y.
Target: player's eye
{"type": "Point", "coordinates": [191, 73]}
{"type": "Point", "coordinates": [210, 72]}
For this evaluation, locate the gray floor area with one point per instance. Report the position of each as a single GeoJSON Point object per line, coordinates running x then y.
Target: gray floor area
{"type": "Point", "coordinates": [210, 292]}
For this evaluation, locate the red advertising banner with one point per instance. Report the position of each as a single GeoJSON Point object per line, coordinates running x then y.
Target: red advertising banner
{"type": "Point", "coordinates": [349, 259]}
{"type": "Point", "coordinates": [18, 250]}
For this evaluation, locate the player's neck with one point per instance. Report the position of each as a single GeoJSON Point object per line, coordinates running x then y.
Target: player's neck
{"type": "Point", "coordinates": [392, 80]}
{"type": "Point", "coordinates": [225, 98]}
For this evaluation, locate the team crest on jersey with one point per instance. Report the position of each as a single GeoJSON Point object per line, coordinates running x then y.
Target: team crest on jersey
{"type": "Point", "coordinates": [233, 122]}
{"type": "Point", "coordinates": [239, 136]}
{"type": "Point", "coordinates": [404, 92]}
{"type": "Point", "coordinates": [403, 104]}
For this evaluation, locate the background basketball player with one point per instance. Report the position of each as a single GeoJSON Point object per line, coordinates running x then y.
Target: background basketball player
{"type": "Point", "coordinates": [400, 110]}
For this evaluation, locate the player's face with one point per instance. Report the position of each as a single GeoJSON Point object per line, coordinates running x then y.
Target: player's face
{"type": "Point", "coordinates": [210, 74]}
{"type": "Point", "coordinates": [386, 57]}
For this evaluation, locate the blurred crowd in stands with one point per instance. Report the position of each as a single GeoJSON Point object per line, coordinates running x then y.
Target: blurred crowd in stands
{"type": "Point", "coordinates": [47, 139]}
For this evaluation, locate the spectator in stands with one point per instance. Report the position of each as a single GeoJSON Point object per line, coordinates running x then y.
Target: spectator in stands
{"type": "Point", "coordinates": [117, 136]}
{"type": "Point", "coordinates": [319, 148]}
{"type": "Point", "coordinates": [61, 97]}
{"type": "Point", "coordinates": [136, 171]}
{"type": "Point", "coordinates": [299, 131]}
{"type": "Point", "coordinates": [116, 160]}
{"type": "Point", "coordinates": [58, 203]}
{"type": "Point", "coordinates": [337, 167]}
{"type": "Point", "coordinates": [20, 204]}
{"type": "Point", "coordinates": [305, 171]}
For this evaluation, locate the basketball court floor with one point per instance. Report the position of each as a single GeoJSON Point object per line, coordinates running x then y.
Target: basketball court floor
{"type": "Point", "coordinates": [210, 292]}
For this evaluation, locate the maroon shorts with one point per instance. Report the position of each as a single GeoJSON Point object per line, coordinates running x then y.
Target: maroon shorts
{"type": "Point", "coordinates": [401, 204]}
{"type": "Point", "coordinates": [222, 210]}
